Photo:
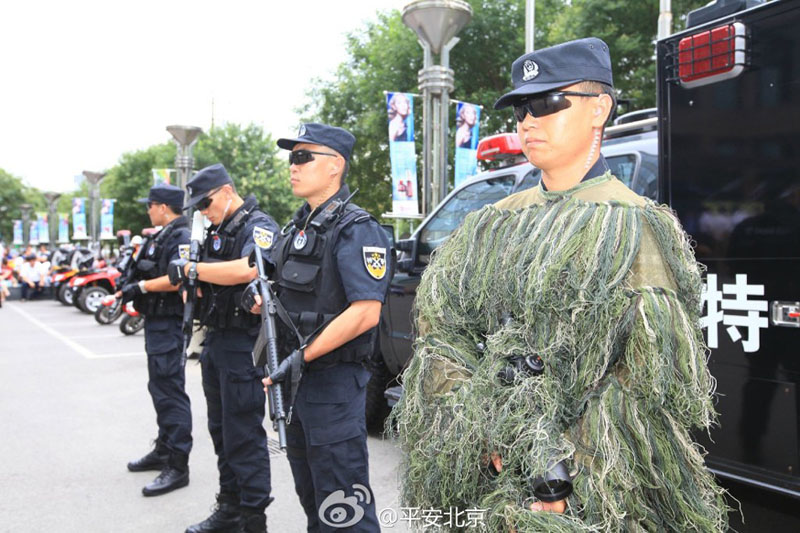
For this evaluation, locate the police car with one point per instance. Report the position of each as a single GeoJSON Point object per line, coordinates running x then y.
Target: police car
{"type": "Point", "coordinates": [631, 151]}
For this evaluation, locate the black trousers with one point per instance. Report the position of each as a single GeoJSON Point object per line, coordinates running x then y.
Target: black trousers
{"type": "Point", "coordinates": [167, 383]}
{"type": "Point", "coordinates": [327, 450]}
{"type": "Point", "coordinates": [235, 399]}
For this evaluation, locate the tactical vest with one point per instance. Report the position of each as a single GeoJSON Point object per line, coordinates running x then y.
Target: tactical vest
{"type": "Point", "coordinates": [308, 283]}
{"type": "Point", "coordinates": [219, 307]}
{"type": "Point", "coordinates": [152, 263]}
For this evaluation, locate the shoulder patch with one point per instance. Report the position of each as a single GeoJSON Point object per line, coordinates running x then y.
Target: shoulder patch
{"type": "Point", "coordinates": [263, 238]}
{"type": "Point", "coordinates": [374, 260]}
{"type": "Point", "coordinates": [183, 251]}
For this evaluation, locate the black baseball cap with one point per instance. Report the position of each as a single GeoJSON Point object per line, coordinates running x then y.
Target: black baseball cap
{"type": "Point", "coordinates": [558, 66]}
{"type": "Point", "coordinates": [205, 182]}
{"type": "Point", "coordinates": [338, 139]}
{"type": "Point", "coordinates": [164, 193]}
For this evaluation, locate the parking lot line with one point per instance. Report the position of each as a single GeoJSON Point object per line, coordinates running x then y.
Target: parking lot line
{"type": "Point", "coordinates": [47, 329]}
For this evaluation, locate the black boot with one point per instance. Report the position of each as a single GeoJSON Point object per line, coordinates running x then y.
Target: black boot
{"type": "Point", "coordinates": [224, 519]}
{"type": "Point", "coordinates": [253, 521]}
{"type": "Point", "coordinates": [174, 476]}
{"type": "Point", "coordinates": [155, 460]}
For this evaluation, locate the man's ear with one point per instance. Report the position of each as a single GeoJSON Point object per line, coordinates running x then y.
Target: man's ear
{"type": "Point", "coordinates": [602, 110]}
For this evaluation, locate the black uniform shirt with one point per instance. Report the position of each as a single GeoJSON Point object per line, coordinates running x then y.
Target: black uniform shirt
{"type": "Point", "coordinates": [363, 259]}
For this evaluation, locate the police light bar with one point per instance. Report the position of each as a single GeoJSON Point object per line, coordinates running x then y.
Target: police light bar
{"type": "Point", "coordinates": [712, 55]}
{"type": "Point", "coordinates": [499, 147]}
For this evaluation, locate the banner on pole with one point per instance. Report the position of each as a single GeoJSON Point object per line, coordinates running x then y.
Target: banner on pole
{"type": "Point", "coordinates": [162, 175]}
{"type": "Point", "coordinates": [403, 158]}
{"type": "Point", "coordinates": [79, 219]}
{"type": "Point", "coordinates": [18, 232]}
{"type": "Point", "coordinates": [33, 236]}
{"type": "Point", "coordinates": [63, 228]}
{"type": "Point", "coordinates": [107, 218]}
{"type": "Point", "coordinates": [44, 228]}
{"type": "Point", "coordinates": [468, 117]}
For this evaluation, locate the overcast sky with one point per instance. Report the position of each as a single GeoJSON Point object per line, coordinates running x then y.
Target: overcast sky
{"type": "Point", "coordinates": [84, 81]}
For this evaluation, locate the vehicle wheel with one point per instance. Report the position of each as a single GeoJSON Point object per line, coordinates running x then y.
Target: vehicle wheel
{"type": "Point", "coordinates": [131, 324]}
{"type": "Point", "coordinates": [377, 408]}
{"type": "Point", "coordinates": [65, 294]}
{"type": "Point", "coordinates": [90, 298]}
{"type": "Point", "coordinates": [106, 314]}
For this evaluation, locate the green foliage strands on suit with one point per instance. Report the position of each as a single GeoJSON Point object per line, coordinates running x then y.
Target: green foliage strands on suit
{"type": "Point", "coordinates": [625, 372]}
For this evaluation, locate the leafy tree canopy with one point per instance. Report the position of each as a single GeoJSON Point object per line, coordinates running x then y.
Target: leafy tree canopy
{"type": "Point", "coordinates": [384, 55]}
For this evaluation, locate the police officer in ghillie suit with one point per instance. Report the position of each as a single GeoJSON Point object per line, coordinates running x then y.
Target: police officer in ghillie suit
{"type": "Point", "coordinates": [232, 386]}
{"type": "Point", "coordinates": [331, 276]}
{"type": "Point", "coordinates": [155, 298]}
{"type": "Point", "coordinates": [560, 363]}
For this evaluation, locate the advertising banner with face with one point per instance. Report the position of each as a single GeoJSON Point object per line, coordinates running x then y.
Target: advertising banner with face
{"type": "Point", "coordinates": [468, 118]}
{"type": "Point", "coordinates": [79, 219]}
{"type": "Point", "coordinates": [107, 218]}
{"type": "Point", "coordinates": [400, 110]}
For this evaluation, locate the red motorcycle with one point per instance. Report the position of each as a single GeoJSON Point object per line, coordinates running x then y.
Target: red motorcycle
{"type": "Point", "coordinates": [132, 322]}
{"type": "Point", "coordinates": [90, 288]}
{"type": "Point", "coordinates": [109, 311]}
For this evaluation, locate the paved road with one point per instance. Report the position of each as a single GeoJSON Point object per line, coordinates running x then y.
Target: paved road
{"type": "Point", "coordinates": [75, 410]}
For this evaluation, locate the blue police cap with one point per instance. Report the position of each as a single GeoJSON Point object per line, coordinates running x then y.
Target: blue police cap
{"type": "Point", "coordinates": [338, 139]}
{"type": "Point", "coordinates": [205, 182]}
{"type": "Point", "coordinates": [164, 193]}
{"type": "Point", "coordinates": [558, 66]}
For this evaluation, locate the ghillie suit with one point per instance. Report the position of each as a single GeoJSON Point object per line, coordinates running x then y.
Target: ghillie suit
{"type": "Point", "coordinates": [602, 285]}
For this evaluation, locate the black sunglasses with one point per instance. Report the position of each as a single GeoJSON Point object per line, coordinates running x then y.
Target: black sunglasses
{"type": "Point", "coordinates": [205, 203]}
{"type": "Point", "coordinates": [301, 157]}
{"type": "Point", "coordinates": [541, 105]}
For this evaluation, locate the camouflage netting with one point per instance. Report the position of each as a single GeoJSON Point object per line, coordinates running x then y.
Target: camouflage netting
{"type": "Point", "coordinates": [625, 373]}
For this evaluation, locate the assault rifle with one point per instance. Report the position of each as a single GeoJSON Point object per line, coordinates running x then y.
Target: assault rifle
{"type": "Point", "coordinates": [265, 350]}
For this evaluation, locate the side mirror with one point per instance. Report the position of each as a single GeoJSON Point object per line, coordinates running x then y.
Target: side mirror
{"type": "Point", "coordinates": [409, 258]}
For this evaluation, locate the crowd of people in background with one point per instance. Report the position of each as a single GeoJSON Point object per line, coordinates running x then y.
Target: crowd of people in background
{"type": "Point", "coordinates": [29, 269]}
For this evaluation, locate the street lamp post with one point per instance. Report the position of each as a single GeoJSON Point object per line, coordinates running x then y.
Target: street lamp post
{"type": "Point", "coordinates": [185, 137]}
{"type": "Point", "coordinates": [94, 179]}
{"type": "Point", "coordinates": [52, 201]}
{"type": "Point", "coordinates": [436, 23]}
{"type": "Point", "coordinates": [25, 211]}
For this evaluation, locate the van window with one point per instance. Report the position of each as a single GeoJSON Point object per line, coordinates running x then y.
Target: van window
{"type": "Point", "coordinates": [623, 167]}
{"type": "Point", "coordinates": [452, 214]}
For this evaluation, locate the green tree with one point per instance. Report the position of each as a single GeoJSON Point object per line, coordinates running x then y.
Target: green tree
{"type": "Point", "coordinates": [384, 55]}
{"type": "Point", "coordinates": [629, 29]}
{"type": "Point", "coordinates": [248, 154]}
{"type": "Point", "coordinates": [252, 159]}
{"type": "Point", "coordinates": [131, 179]}
{"type": "Point", "coordinates": [13, 193]}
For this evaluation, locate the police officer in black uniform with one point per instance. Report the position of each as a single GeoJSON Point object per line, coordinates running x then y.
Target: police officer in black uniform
{"type": "Point", "coordinates": [332, 277]}
{"type": "Point", "coordinates": [155, 298]}
{"type": "Point", "coordinates": [231, 384]}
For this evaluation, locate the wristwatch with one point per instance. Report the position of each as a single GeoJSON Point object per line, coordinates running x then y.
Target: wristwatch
{"type": "Point", "coordinates": [192, 274]}
{"type": "Point", "coordinates": [141, 287]}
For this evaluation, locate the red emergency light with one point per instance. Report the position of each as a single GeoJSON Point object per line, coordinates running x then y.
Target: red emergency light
{"type": "Point", "coordinates": [499, 147]}
{"type": "Point", "coordinates": [712, 55]}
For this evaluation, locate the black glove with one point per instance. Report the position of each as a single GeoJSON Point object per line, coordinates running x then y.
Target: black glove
{"type": "Point", "coordinates": [290, 368]}
{"type": "Point", "coordinates": [175, 271]}
{"type": "Point", "coordinates": [130, 291]}
{"type": "Point", "coordinates": [249, 295]}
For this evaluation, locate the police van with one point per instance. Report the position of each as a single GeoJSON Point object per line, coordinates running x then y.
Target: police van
{"type": "Point", "coordinates": [630, 149]}
{"type": "Point", "coordinates": [729, 165]}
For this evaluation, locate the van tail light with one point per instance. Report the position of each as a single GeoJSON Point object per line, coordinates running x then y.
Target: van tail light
{"type": "Point", "coordinates": [711, 55]}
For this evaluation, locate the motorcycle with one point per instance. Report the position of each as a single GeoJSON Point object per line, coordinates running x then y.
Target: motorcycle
{"type": "Point", "coordinates": [132, 322]}
{"type": "Point", "coordinates": [109, 311]}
